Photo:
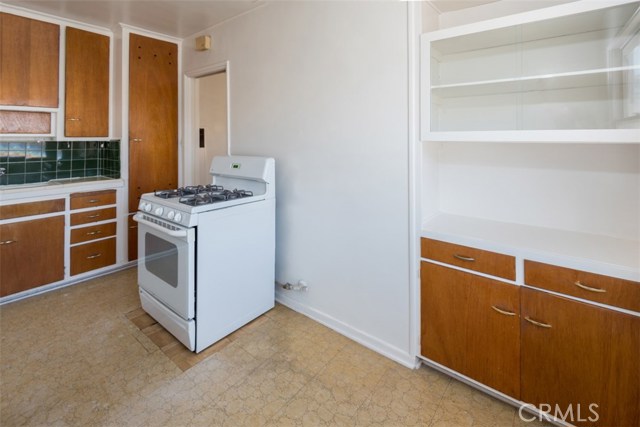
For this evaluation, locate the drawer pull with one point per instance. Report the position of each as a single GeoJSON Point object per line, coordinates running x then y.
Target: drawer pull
{"type": "Point", "coordinates": [7, 242]}
{"type": "Point", "coordinates": [542, 325]}
{"type": "Point", "coordinates": [133, 226]}
{"type": "Point", "coordinates": [505, 312]}
{"type": "Point", "coordinates": [464, 258]}
{"type": "Point", "coordinates": [94, 256]}
{"type": "Point", "coordinates": [94, 200]}
{"type": "Point", "coordinates": [73, 119]}
{"type": "Point", "coordinates": [589, 288]}
{"type": "Point", "coordinates": [93, 233]}
{"type": "Point", "coordinates": [136, 140]}
{"type": "Point", "coordinates": [93, 216]}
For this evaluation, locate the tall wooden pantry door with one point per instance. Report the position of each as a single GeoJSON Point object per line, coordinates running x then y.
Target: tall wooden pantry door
{"type": "Point", "coordinates": [153, 121]}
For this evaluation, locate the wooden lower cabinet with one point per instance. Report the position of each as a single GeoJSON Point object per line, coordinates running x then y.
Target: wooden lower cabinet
{"type": "Point", "coordinates": [94, 255]}
{"type": "Point", "coordinates": [578, 355]}
{"type": "Point", "coordinates": [133, 238]}
{"type": "Point", "coordinates": [31, 254]}
{"type": "Point", "coordinates": [471, 325]}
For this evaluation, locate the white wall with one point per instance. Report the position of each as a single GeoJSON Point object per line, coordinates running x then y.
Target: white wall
{"type": "Point", "coordinates": [592, 188]}
{"type": "Point", "coordinates": [322, 87]}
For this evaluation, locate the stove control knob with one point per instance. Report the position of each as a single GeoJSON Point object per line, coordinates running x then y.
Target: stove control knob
{"type": "Point", "coordinates": [159, 211]}
{"type": "Point", "coordinates": [178, 217]}
{"type": "Point", "coordinates": [171, 214]}
{"type": "Point", "coordinates": [147, 207]}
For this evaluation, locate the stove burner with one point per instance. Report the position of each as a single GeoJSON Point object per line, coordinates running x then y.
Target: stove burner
{"type": "Point", "coordinates": [219, 195]}
{"type": "Point", "coordinates": [198, 189]}
{"type": "Point", "coordinates": [168, 194]}
{"type": "Point", "coordinates": [188, 191]}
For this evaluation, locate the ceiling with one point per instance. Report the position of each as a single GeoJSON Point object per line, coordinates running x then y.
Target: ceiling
{"type": "Point", "coordinates": [178, 18]}
{"type": "Point", "coordinates": [444, 6]}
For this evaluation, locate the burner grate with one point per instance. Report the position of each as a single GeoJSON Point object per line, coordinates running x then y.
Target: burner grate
{"type": "Point", "coordinates": [214, 196]}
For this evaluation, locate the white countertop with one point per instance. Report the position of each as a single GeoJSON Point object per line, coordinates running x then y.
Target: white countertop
{"type": "Point", "coordinates": [54, 188]}
{"type": "Point", "coordinates": [582, 251]}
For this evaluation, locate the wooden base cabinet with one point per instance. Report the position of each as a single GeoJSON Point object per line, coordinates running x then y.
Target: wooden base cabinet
{"type": "Point", "coordinates": [31, 254]}
{"type": "Point", "coordinates": [471, 325]}
{"type": "Point", "coordinates": [575, 355]}
{"type": "Point", "coordinates": [91, 236]}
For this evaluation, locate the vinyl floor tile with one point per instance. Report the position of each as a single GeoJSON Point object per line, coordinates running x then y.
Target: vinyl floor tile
{"type": "Point", "coordinates": [88, 355]}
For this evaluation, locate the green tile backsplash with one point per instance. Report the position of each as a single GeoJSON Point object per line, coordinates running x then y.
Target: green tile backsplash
{"type": "Point", "coordinates": [32, 162]}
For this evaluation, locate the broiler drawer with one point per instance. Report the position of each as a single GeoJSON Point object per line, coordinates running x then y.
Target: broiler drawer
{"type": "Point", "coordinates": [93, 216]}
{"type": "Point", "coordinates": [92, 199]}
{"type": "Point", "coordinates": [593, 287]}
{"type": "Point", "coordinates": [91, 256]}
{"type": "Point", "coordinates": [491, 263]}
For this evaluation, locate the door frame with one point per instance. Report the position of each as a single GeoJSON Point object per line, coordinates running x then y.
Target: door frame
{"type": "Point", "coordinates": [191, 115]}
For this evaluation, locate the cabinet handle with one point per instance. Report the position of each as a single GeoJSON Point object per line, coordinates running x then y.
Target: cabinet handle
{"type": "Point", "coordinates": [93, 233]}
{"type": "Point", "coordinates": [94, 256]}
{"type": "Point", "coordinates": [133, 226]}
{"type": "Point", "coordinates": [589, 288]}
{"type": "Point", "coordinates": [7, 242]}
{"type": "Point", "coordinates": [73, 119]}
{"type": "Point", "coordinates": [542, 325]}
{"type": "Point", "coordinates": [464, 258]}
{"type": "Point", "coordinates": [93, 216]}
{"type": "Point", "coordinates": [94, 200]}
{"type": "Point", "coordinates": [136, 140]}
{"type": "Point", "coordinates": [505, 312]}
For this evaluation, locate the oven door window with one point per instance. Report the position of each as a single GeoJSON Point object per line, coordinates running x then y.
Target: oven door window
{"type": "Point", "coordinates": [161, 259]}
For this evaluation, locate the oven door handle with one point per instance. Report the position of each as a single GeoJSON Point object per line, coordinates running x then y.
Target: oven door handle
{"type": "Point", "coordinates": [174, 233]}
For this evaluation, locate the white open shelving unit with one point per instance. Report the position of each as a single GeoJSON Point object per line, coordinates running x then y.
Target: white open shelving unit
{"type": "Point", "coordinates": [566, 76]}
{"type": "Point", "coordinates": [569, 75]}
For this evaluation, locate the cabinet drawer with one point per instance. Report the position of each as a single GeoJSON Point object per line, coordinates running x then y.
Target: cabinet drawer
{"type": "Point", "coordinates": [93, 255]}
{"type": "Point", "coordinates": [93, 198]}
{"type": "Point", "coordinates": [480, 260]}
{"type": "Point", "coordinates": [93, 216]}
{"type": "Point", "coordinates": [594, 287]}
{"type": "Point", "coordinates": [85, 234]}
{"type": "Point", "coordinates": [27, 209]}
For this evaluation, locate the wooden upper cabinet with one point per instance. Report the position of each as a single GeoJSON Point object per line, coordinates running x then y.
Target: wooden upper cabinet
{"type": "Point", "coordinates": [86, 84]}
{"type": "Point", "coordinates": [29, 57]}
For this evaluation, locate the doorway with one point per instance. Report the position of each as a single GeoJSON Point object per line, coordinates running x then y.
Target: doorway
{"type": "Point", "coordinates": [212, 123]}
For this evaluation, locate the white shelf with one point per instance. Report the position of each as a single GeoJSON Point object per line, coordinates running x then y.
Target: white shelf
{"type": "Point", "coordinates": [557, 81]}
{"type": "Point", "coordinates": [552, 75]}
{"type": "Point", "coordinates": [578, 136]}
{"type": "Point", "coordinates": [588, 252]}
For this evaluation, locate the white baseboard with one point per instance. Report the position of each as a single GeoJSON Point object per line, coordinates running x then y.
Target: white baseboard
{"type": "Point", "coordinates": [394, 353]}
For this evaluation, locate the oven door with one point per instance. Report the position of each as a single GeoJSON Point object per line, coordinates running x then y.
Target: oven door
{"type": "Point", "coordinates": [166, 263]}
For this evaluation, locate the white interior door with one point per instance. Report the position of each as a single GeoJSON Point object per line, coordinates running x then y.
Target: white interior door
{"type": "Point", "coordinates": [212, 120]}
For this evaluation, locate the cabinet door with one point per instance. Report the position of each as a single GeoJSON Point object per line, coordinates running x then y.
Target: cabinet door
{"type": "Point", "coordinates": [86, 84]}
{"type": "Point", "coordinates": [585, 355]}
{"type": "Point", "coordinates": [471, 325]}
{"type": "Point", "coordinates": [31, 254]}
{"type": "Point", "coordinates": [153, 117]}
{"type": "Point", "coordinates": [29, 52]}
{"type": "Point", "coordinates": [132, 238]}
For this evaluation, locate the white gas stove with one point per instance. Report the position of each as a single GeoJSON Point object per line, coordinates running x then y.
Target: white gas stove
{"type": "Point", "coordinates": [214, 241]}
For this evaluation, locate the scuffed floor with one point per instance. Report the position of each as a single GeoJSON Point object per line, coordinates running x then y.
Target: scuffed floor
{"type": "Point", "coordinates": [73, 357]}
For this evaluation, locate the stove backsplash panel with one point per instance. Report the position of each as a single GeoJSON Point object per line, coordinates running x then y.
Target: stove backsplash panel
{"type": "Point", "coordinates": [33, 162]}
